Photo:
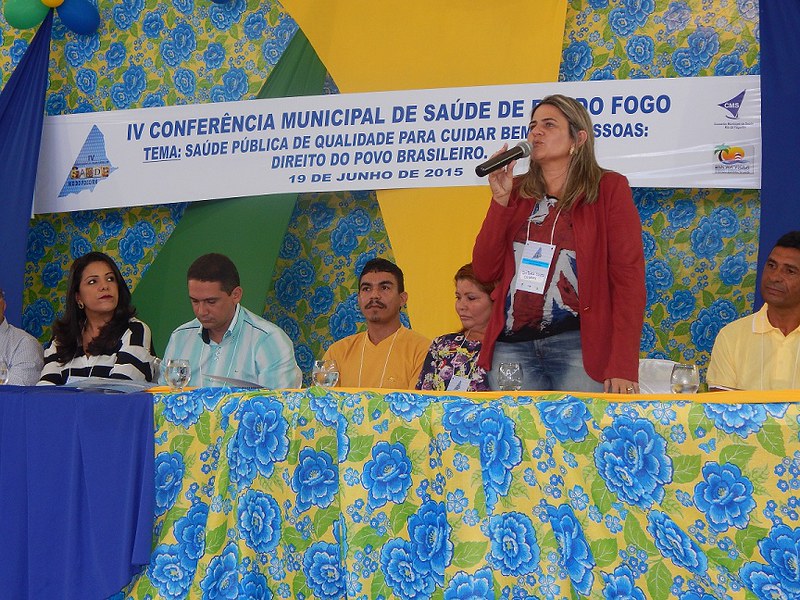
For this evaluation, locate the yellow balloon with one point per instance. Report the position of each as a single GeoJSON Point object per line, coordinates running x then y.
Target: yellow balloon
{"type": "Point", "coordinates": [52, 3]}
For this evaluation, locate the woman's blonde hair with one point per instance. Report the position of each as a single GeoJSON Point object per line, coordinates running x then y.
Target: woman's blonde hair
{"type": "Point", "coordinates": [583, 173]}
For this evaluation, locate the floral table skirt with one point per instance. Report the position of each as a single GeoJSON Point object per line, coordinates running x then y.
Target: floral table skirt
{"type": "Point", "coordinates": [367, 495]}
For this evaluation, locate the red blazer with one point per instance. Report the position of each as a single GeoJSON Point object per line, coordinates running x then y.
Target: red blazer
{"type": "Point", "coordinates": [610, 259]}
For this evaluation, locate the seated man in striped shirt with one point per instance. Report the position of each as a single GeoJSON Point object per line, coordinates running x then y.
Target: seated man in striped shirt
{"type": "Point", "coordinates": [226, 344]}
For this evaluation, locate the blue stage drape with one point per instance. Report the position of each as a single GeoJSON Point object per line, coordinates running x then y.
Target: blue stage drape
{"type": "Point", "coordinates": [78, 491]}
{"type": "Point", "coordinates": [780, 126]}
{"type": "Point", "coordinates": [21, 119]}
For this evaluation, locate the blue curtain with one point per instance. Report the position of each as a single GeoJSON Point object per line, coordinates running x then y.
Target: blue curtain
{"type": "Point", "coordinates": [21, 118]}
{"type": "Point", "coordinates": [780, 126]}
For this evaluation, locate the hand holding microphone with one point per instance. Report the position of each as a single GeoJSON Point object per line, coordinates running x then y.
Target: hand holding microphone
{"type": "Point", "coordinates": [498, 161]}
{"type": "Point", "coordinates": [501, 180]}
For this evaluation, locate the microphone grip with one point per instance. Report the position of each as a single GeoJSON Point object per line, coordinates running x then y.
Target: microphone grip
{"type": "Point", "coordinates": [501, 160]}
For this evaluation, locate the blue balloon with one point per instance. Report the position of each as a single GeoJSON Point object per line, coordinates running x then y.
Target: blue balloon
{"type": "Point", "coordinates": [80, 16]}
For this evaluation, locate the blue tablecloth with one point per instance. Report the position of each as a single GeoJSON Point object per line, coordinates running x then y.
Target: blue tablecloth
{"type": "Point", "coordinates": [77, 503]}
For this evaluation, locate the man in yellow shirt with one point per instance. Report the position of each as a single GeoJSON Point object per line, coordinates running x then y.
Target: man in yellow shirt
{"type": "Point", "coordinates": [762, 351]}
{"type": "Point", "coordinates": [386, 355]}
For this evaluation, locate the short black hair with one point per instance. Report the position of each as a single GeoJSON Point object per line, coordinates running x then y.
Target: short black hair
{"type": "Point", "coordinates": [215, 267]}
{"type": "Point", "coordinates": [789, 240]}
{"type": "Point", "coordinates": [381, 265]}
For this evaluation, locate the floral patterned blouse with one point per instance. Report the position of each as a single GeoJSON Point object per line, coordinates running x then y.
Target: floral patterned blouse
{"type": "Point", "coordinates": [452, 355]}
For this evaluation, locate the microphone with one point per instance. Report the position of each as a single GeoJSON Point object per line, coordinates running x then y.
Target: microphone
{"type": "Point", "coordinates": [501, 160]}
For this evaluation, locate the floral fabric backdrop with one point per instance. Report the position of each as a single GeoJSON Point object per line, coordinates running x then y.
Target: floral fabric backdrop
{"type": "Point", "coordinates": [700, 245]}
{"type": "Point", "coordinates": [329, 240]}
{"type": "Point", "coordinates": [132, 237]}
{"type": "Point", "coordinates": [320, 494]}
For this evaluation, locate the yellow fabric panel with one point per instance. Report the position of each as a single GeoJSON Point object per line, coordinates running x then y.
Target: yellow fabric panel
{"type": "Point", "coordinates": [372, 46]}
{"type": "Point", "coordinates": [432, 231]}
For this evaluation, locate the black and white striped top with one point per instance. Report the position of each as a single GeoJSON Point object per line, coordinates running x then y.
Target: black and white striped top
{"type": "Point", "coordinates": [133, 360]}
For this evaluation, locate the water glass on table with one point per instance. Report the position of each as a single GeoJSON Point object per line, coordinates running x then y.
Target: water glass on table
{"type": "Point", "coordinates": [325, 373]}
{"type": "Point", "coordinates": [177, 373]}
{"type": "Point", "coordinates": [684, 379]}
{"type": "Point", "coordinates": [509, 377]}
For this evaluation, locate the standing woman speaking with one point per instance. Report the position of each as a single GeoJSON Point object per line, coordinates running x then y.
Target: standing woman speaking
{"type": "Point", "coordinates": [565, 242]}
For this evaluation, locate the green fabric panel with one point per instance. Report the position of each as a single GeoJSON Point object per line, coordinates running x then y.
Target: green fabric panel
{"type": "Point", "coordinates": [249, 230]}
{"type": "Point", "coordinates": [299, 72]}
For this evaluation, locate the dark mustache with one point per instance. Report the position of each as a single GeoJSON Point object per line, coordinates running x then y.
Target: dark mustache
{"type": "Point", "coordinates": [376, 303]}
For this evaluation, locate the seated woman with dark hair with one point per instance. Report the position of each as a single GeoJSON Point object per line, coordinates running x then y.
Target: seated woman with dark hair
{"type": "Point", "coordinates": [98, 335]}
{"type": "Point", "coordinates": [452, 361]}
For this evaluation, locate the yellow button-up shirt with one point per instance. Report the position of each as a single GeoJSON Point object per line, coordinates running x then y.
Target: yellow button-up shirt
{"type": "Point", "coordinates": [751, 354]}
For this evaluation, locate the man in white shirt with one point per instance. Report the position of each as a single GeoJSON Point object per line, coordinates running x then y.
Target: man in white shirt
{"type": "Point", "coordinates": [762, 351]}
{"type": "Point", "coordinates": [22, 353]}
{"type": "Point", "coordinates": [227, 343]}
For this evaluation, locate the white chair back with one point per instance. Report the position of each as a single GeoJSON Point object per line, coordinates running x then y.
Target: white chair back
{"type": "Point", "coordinates": [654, 374]}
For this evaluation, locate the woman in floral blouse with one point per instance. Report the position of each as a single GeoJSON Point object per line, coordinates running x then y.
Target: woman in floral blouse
{"type": "Point", "coordinates": [452, 359]}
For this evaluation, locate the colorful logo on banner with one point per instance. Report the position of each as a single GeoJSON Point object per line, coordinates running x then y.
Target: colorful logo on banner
{"type": "Point", "coordinates": [91, 165]}
{"type": "Point", "coordinates": [733, 159]}
{"type": "Point", "coordinates": [733, 105]}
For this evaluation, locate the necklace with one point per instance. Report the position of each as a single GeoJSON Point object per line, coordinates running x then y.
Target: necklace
{"type": "Point", "coordinates": [386, 362]}
{"type": "Point", "coordinates": [471, 364]}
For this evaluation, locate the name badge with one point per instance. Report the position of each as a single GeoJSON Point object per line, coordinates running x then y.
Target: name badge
{"type": "Point", "coordinates": [534, 266]}
{"type": "Point", "coordinates": [458, 384]}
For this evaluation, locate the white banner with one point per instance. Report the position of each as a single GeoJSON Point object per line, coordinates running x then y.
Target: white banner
{"type": "Point", "coordinates": [702, 132]}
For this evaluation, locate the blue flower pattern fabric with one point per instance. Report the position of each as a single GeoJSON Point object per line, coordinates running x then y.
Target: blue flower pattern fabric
{"type": "Point", "coordinates": [702, 243]}
{"type": "Point", "coordinates": [322, 494]}
{"type": "Point", "coordinates": [701, 253]}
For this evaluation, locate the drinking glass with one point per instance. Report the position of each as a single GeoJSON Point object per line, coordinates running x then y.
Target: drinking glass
{"type": "Point", "coordinates": [325, 373]}
{"type": "Point", "coordinates": [509, 377]}
{"type": "Point", "coordinates": [4, 374]}
{"type": "Point", "coordinates": [178, 373]}
{"type": "Point", "coordinates": [684, 379]}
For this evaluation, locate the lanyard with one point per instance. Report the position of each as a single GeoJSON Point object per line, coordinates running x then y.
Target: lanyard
{"type": "Point", "coordinates": [385, 364]}
{"type": "Point", "coordinates": [552, 231]}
